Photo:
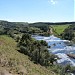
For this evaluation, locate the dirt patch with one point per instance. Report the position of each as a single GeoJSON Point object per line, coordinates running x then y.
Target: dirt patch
{"type": "Point", "coordinates": [3, 71]}
{"type": "Point", "coordinates": [1, 42]}
{"type": "Point", "coordinates": [22, 70]}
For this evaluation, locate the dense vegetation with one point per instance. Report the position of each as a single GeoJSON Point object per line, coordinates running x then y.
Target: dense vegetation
{"type": "Point", "coordinates": [13, 28]}
{"type": "Point", "coordinates": [27, 47]}
{"type": "Point", "coordinates": [13, 62]}
{"type": "Point", "coordinates": [37, 50]}
{"type": "Point", "coordinates": [69, 33]}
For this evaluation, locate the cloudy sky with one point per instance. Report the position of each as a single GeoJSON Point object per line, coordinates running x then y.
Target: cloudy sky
{"type": "Point", "coordinates": [37, 10]}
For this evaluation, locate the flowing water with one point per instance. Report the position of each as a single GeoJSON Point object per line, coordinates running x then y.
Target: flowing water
{"type": "Point", "coordinates": [59, 48]}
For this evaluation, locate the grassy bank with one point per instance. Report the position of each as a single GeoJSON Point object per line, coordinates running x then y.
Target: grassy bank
{"type": "Point", "coordinates": [14, 63]}
{"type": "Point", "coordinates": [59, 28]}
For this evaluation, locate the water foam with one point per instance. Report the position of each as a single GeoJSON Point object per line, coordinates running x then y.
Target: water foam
{"type": "Point", "coordinates": [59, 48]}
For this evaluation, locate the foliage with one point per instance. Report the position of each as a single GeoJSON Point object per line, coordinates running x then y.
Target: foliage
{"type": "Point", "coordinates": [15, 62]}
{"type": "Point", "coordinates": [68, 33]}
{"type": "Point", "coordinates": [37, 50]}
{"type": "Point", "coordinates": [42, 26]}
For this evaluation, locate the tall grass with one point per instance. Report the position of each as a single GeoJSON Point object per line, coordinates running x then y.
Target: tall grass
{"type": "Point", "coordinates": [17, 63]}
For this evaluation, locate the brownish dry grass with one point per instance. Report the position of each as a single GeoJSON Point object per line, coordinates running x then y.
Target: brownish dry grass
{"type": "Point", "coordinates": [16, 63]}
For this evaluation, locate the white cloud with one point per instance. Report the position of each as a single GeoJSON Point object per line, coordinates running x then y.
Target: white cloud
{"type": "Point", "coordinates": [53, 2]}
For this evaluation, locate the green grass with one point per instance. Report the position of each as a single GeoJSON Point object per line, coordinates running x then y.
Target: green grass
{"type": "Point", "coordinates": [59, 28]}
{"type": "Point", "coordinates": [18, 63]}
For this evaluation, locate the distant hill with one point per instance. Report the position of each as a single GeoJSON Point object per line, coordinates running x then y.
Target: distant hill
{"type": "Point", "coordinates": [22, 27]}
{"type": "Point", "coordinates": [48, 23]}
{"type": "Point", "coordinates": [3, 22]}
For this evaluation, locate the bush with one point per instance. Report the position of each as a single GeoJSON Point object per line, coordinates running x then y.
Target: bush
{"type": "Point", "coordinates": [36, 50]}
{"type": "Point", "coordinates": [23, 50]}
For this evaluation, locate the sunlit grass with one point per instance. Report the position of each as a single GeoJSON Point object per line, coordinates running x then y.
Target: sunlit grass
{"type": "Point", "coordinates": [59, 28]}
{"type": "Point", "coordinates": [17, 61]}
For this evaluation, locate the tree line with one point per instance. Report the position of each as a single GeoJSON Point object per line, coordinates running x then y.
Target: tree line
{"type": "Point", "coordinates": [36, 50]}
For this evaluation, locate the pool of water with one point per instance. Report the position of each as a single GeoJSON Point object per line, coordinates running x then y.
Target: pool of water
{"type": "Point", "coordinates": [59, 48]}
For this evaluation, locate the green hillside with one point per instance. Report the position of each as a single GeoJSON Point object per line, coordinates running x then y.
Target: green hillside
{"type": "Point", "coordinates": [59, 28]}
{"type": "Point", "coordinates": [14, 63]}
{"type": "Point", "coordinates": [13, 59]}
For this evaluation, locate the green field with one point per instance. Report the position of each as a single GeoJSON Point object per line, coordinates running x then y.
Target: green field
{"type": "Point", "coordinates": [59, 28]}
{"type": "Point", "coordinates": [16, 63]}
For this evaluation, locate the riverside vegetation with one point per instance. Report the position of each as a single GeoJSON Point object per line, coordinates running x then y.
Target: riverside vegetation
{"type": "Point", "coordinates": [20, 54]}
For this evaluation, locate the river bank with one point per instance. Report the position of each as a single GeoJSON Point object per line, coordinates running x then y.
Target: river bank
{"type": "Point", "coordinates": [58, 47]}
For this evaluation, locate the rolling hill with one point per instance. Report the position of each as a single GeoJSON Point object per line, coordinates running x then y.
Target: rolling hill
{"type": "Point", "coordinates": [14, 63]}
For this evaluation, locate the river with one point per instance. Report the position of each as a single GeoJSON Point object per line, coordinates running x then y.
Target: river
{"type": "Point", "coordinates": [59, 48]}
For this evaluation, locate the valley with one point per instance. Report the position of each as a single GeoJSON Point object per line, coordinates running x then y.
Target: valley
{"type": "Point", "coordinates": [36, 48]}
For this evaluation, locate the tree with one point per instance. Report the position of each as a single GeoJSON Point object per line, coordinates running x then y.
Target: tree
{"type": "Point", "coordinates": [43, 43]}
{"type": "Point", "coordinates": [36, 50]}
{"type": "Point", "coordinates": [17, 39]}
